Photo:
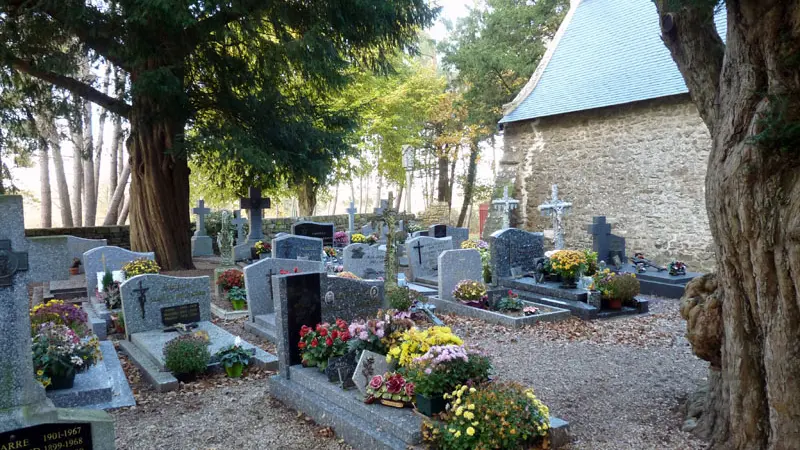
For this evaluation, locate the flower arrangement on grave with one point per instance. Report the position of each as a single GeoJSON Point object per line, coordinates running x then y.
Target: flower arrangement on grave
{"type": "Point", "coordinates": [530, 310]}
{"type": "Point", "coordinates": [569, 264]}
{"type": "Point", "coordinates": [59, 353]}
{"type": "Point", "coordinates": [496, 415]}
{"type": "Point", "coordinates": [441, 370]}
{"type": "Point", "coordinates": [358, 238]}
{"type": "Point", "coordinates": [287, 272]}
{"type": "Point", "coordinates": [400, 298]}
{"type": "Point", "coordinates": [60, 313]}
{"type": "Point", "coordinates": [509, 302]}
{"type": "Point", "coordinates": [470, 292]}
{"type": "Point", "coordinates": [372, 239]}
{"type": "Point", "coordinates": [330, 252]}
{"type": "Point", "coordinates": [340, 239]}
{"type": "Point", "coordinates": [601, 282]}
{"type": "Point", "coordinates": [263, 247]}
{"type": "Point", "coordinates": [238, 298]}
{"type": "Point", "coordinates": [676, 268]}
{"type": "Point", "coordinates": [140, 266]}
{"type": "Point", "coordinates": [591, 263]}
{"type": "Point", "coordinates": [367, 335]}
{"type": "Point", "coordinates": [413, 343]}
{"type": "Point", "coordinates": [413, 227]}
{"type": "Point", "coordinates": [187, 355]}
{"type": "Point", "coordinates": [231, 278]}
{"type": "Point", "coordinates": [234, 358]}
{"type": "Point", "coordinates": [625, 287]}
{"type": "Point", "coordinates": [390, 389]}
{"type": "Point", "coordinates": [118, 322]}
{"type": "Point", "coordinates": [349, 275]}
{"type": "Point", "coordinates": [323, 342]}
{"type": "Point", "coordinates": [75, 267]}
{"type": "Point", "coordinates": [111, 296]}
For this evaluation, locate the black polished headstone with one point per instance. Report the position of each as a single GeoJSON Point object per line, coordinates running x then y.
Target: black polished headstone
{"type": "Point", "coordinates": [322, 231]}
{"type": "Point", "coordinates": [304, 305]}
{"type": "Point", "coordinates": [439, 231]}
{"type": "Point", "coordinates": [73, 436]}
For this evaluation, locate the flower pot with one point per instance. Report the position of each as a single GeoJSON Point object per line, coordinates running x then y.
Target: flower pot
{"type": "Point", "coordinates": [61, 382]}
{"type": "Point", "coordinates": [74, 270]}
{"type": "Point", "coordinates": [569, 282]}
{"type": "Point", "coordinates": [614, 303]}
{"type": "Point", "coordinates": [239, 305]}
{"type": "Point", "coordinates": [185, 377]}
{"type": "Point", "coordinates": [430, 405]}
{"type": "Point", "coordinates": [234, 371]}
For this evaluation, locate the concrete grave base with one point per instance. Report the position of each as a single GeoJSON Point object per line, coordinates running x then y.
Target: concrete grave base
{"type": "Point", "coordinates": [422, 289]}
{"type": "Point", "coordinates": [146, 350]}
{"type": "Point", "coordinates": [546, 313]}
{"type": "Point", "coordinates": [661, 283]}
{"type": "Point", "coordinates": [202, 246]}
{"type": "Point", "coordinates": [264, 326]}
{"type": "Point", "coordinates": [70, 289]}
{"type": "Point", "coordinates": [360, 425]}
{"type": "Point", "coordinates": [103, 386]}
{"type": "Point", "coordinates": [99, 324]}
{"type": "Point", "coordinates": [224, 314]}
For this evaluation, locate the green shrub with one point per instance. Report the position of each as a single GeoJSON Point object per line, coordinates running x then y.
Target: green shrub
{"type": "Point", "coordinates": [625, 287]}
{"type": "Point", "coordinates": [400, 298]}
{"type": "Point", "coordinates": [187, 354]}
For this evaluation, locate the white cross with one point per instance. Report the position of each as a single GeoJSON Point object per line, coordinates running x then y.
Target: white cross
{"type": "Point", "coordinates": [556, 209]}
{"type": "Point", "coordinates": [201, 212]}
{"type": "Point", "coordinates": [351, 213]}
{"type": "Point", "coordinates": [506, 205]}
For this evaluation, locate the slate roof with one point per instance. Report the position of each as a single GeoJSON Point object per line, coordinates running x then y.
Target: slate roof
{"type": "Point", "coordinates": [611, 53]}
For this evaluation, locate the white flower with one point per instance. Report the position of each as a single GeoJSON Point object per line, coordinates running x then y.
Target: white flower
{"type": "Point", "coordinates": [550, 253]}
{"type": "Point", "coordinates": [76, 360]}
{"type": "Point", "coordinates": [237, 342]}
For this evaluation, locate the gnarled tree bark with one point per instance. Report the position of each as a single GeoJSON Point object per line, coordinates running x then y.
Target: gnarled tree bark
{"type": "Point", "coordinates": [748, 93]}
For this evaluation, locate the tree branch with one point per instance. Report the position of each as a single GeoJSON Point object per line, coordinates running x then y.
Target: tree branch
{"type": "Point", "coordinates": [691, 37]}
{"type": "Point", "coordinates": [78, 88]}
{"type": "Point", "coordinates": [204, 27]}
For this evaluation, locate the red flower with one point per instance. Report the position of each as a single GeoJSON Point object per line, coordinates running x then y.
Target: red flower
{"type": "Point", "coordinates": [341, 324]}
{"type": "Point", "coordinates": [376, 382]}
{"type": "Point", "coordinates": [409, 388]}
{"type": "Point", "coordinates": [301, 345]}
{"type": "Point", "coordinates": [334, 334]}
{"type": "Point", "coordinates": [345, 336]}
{"type": "Point", "coordinates": [314, 342]}
{"type": "Point", "coordinates": [283, 272]}
{"type": "Point", "coordinates": [395, 384]}
{"type": "Point", "coordinates": [296, 270]}
{"type": "Point", "coordinates": [304, 330]}
{"type": "Point", "coordinates": [323, 332]}
{"type": "Point", "coordinates": [329, 342]}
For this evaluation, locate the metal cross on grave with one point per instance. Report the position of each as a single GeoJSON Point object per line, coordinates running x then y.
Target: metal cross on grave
{"type": "Point", "coordinates": [201, 212]}
{"type": "Point", "coordinates": [239, 222]}
{"type": "Point", "coordinates": [142, 291]}
{"type": "Point", "coordinates": [351, 217]}
{"type": "Point", "coordinates": [506, 205]}
{"type": "Point", "coordinates": [419, 248]}
{"type": "Point", "coordinates": [11, 262]}
{"type": "Point", "coordinates": [254, 204]}
{"type": "Point", "coordinates": [556, 209]}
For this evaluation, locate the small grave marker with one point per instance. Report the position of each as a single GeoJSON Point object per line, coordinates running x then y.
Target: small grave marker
{"type": "Point", "coordinates": [201, 241]}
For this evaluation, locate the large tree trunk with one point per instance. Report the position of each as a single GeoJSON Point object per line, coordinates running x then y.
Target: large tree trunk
{"type": "Point", "coordinates": [307, 197]}
{"type": "Point", "coordinates": [44, 184]}
{"type": "Point", "coordinates": [443, 191]}
{"type": "Point", "coordinates": [472, 170]}
{"type": "Point", "coordinates": [159, 190]}
{"type": "Point", "coordinates": [61, 177]}
{"type": "Point", "coordinates": [76, 132]}
{"type": "Point", "coordinates": [89, 197]}
{"type": "Point", "coordinates": [118, 198]}
{"type": "Point", "coordinates": [748, 93]}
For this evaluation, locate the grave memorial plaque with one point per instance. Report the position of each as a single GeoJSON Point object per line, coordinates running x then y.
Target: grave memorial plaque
{"type": "Point", "coordinates": [180, 314]}
{"type": "Point", "coordinates": [49, 436]}
{"type": "Point", "coordinates": [304, 308]}
{"type": "Point", "coordinates": [341, 369]}
{"type": "Point", "coordinates": [439, 231]}
{"type": "Point", "coordinates": [318, 230]}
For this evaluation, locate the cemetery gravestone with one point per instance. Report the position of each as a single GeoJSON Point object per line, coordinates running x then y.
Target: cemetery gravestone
{"type": "Point", "coordinates": [556, 209]}
{"type": "Point", "coordinates": [27, 417]}
{"type": "Point", "coordinates": [351, 218]}
{"type": "Point", "coordinates": [254, 204]}
{"type": "Point", "coordinates": [350, 299]}
{"type": "Point", "coordinates": [505, 205]}
{"type": "Point", "coordinates": [201, 242]}
{"type": "Point", "coordinates": [76, 247]}
{"type": "Point", "coordinates": [239, 222]}
{"type": "Point", "coordinates": [605, 244]}
{"type": "Point", "coordinates": [318, 230]}
{"type": "Point", "coordinates": [419, 233]}
{"type": "Point", "coordinates": [455, 266]}
{"type": "Point", "coordinates": [297, 247]}
{"type": "Point", "coordinates": [299, 302]}
{"type": "Point", "coordinates": [258, 281]}
{"type": "Point", "coordinates": [516, 249]}
{"type": "Point", "coordinates": [156, 302]}
{"type": "Point", "coordinates": [423, 257]}
{"type": "Point", "coordinates": [366, 261]}
{"type": "Point", "coordinates": [459, 235]}
{"type": "Point", "coordinates": [115, 258]}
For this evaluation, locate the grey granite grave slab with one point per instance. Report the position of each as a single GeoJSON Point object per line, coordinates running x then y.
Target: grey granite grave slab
{"type": "Point", "coordinates": [546, 314]}
{"type": "Point", "coordinates": [202, 246]}
{"type": "Point", "coordinates": [72, 288]}
{"type": "Point", "coordinates": [297, 247]}
{"type": "Point", "coordinates": [456, 266]}
{"type": "Point", "coordinates": [423, 257]}
{"type": "Point", "coordinates": [103, 386]}
{"type": "Point", "coordinates": [661, 283]}
{"type": "Point", "coordinates": [514, 248]}
{"type": "Point", "coordinates": [115, 258]}
{"type": "Point", "coordinates": [369, 365]}
{"type": "Point", "coordinates": [348, 299]}
{"type": "Point", "coordinates": [77, 246]}
{"type": "Point", "coordinates": [458, 234]}
{"type": "Point", "coordinates": [365, 261]}
{"type": "Point", "coordinates": [156, 292]}
{"type": "Point", "coordinates": [548, 288]}
{"type": "Point", "coordinates": [258, 281]}
{"type": "Point", "coordinates": [318, 230]}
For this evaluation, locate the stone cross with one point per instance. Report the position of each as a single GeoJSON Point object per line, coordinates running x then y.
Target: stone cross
{"type": "Point", "coordinates": [11, 262]}
{"type": "Point", "coordinates": [600, 231]}
{"type": "Point", "coordinates": [379, 210]}
{"type": "Point", "coordinates": [254, 204]}
{"type": "Point", "coordinates": [225, 240]}
{"type": "Point", "coordinates": [351, 217]}
{"type": "Point", "coordinates": [201, 212]}
{"type": "Point", "coordinates": [506, 205]}
{"type": "Point", "coordinates": [556, 209]}
{"type": "Point", "coordinates": [239, 221]}
{"type": "Point", "coordinates": [419, 248]}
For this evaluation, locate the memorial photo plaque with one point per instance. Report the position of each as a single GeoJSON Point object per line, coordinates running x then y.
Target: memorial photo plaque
{"type": "Point", "coordinates": [60, 436]}
{"type": "Point", "coordinates": [180, 314]}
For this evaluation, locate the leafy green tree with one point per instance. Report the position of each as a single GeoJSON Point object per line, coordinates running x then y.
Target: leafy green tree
{"type": "Point", "coordinates": [207, 76]}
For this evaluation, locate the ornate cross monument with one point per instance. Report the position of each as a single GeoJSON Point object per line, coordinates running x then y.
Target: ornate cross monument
{"type": "Point", "coordinates": [225, 240]}
{"type": "Point", "coordinates": [202, 245]}
{"type": "Point", "coordinates": [556, 209]}
{"type": "Point", "coordinates": [506, 205]}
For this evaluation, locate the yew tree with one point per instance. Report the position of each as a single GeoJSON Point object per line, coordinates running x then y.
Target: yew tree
{"type": "Point", "coordinates": [206, 75]}
{"type": "Point", "coordinates": [747, 91]}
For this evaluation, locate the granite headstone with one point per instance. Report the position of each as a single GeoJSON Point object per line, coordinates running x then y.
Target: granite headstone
{"type": "Point", "coordinates": [318, 230]}
{"type": "Point", "coordinates": [77, 246]}
{"type": "Point", "coordinates": [366, 261]}
{"type": "Point", "coordinates": [297, 247]}
{"type": "Point", "coordinates": [455, 266]}
{"type": "Point", "coordinates": [298, 302]}
{"type": "Point", "coordinates": [115, 258]}
{"type": "Point", "coordinates": [349, 299]}
{"type": "Point", "coordinates": [516, 249]}
{"type": "Point", "coordinates": [605, 244]}
{"type": "Point", "coordinates": [258, 281]}
{"type": "Point", "coordinates": [423, 257]}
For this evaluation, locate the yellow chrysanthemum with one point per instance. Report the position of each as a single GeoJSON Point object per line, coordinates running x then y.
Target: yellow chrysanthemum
{"type": "Point", "coordinates": [471, 431]}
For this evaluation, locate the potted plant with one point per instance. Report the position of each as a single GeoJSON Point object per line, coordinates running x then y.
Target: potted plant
{"type": "Point", "coordinates": [508, 303]}
{"type": "Point", "coordinates": [340, 239]}
{"type": "Point", "coordinates": [625, 287]}
{"type": "Point", "coordinates": [677, 268]}
{"type": "Point", "coordinates": [59, 353]}
{"type": "Point", "coordinates": [390, 389]}
{"type": "Point", "coordinates": [235, 358]}
{"type": "Point", "coordinates": [140, 266]}
{"type": "Point", "coordinates": [471, 292]}
{"type": "Point", "coordinates": [317, 345]}
{"type": "Point", "coordinates": [238, 298]}
{"type": "Point", "coordinates": [230, 278]}
{"type": "Point", "coordinates": [186, 356]}
{"type": "Point", "coordinates": [261, 248]}
{"type": "Point", "coordinates": [330, 252]}
{"type": "Point", "coordinates": [569, 264]}
{"type": "Point", "coordinates": [75, 268]}
{"type": "Point", "coordinates": [118, 322]}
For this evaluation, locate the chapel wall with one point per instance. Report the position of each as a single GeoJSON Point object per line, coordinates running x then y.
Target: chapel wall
{"type": "Point", "coordinates": [642, 165]}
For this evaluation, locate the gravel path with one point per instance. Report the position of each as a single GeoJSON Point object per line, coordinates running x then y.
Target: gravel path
{"type": "Point", "coordinates": [619, 382]}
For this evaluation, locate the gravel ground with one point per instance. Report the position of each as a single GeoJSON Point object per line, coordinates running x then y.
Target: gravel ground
{"type": "Point", "coordinates": [620, 384]}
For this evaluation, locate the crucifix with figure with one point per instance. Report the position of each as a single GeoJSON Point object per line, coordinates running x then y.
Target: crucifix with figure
{"type": "Point", "coordinates": [506, 205]}
{"type": "Point", "coordinates": [556, 209]}
{"type": "Point", "coordinates": [142, 291]}
{"type": "Point", "coordinates": [419, 248]}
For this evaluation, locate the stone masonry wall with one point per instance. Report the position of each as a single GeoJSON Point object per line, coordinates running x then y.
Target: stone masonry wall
{"type": "Point", "coordinates": [642, 165]}
{"type": "Point", "coordinates": [119, 236]}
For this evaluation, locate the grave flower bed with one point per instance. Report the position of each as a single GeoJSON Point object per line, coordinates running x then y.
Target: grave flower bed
{"type": "Point", "coordinates": [340, 239]}
{"type": "Point", "coordinates": [60, 313]}
{"type": "Point", "coordinates": [616, 289]}
{"type": "Point", "coordinates": [470, 292]}
{"type": "Point", "coordinates": [262, 247]}
{"type": "Point", "coordinates": [569, 264]}
{"type": "Point", "coordinates": [323, 342]}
